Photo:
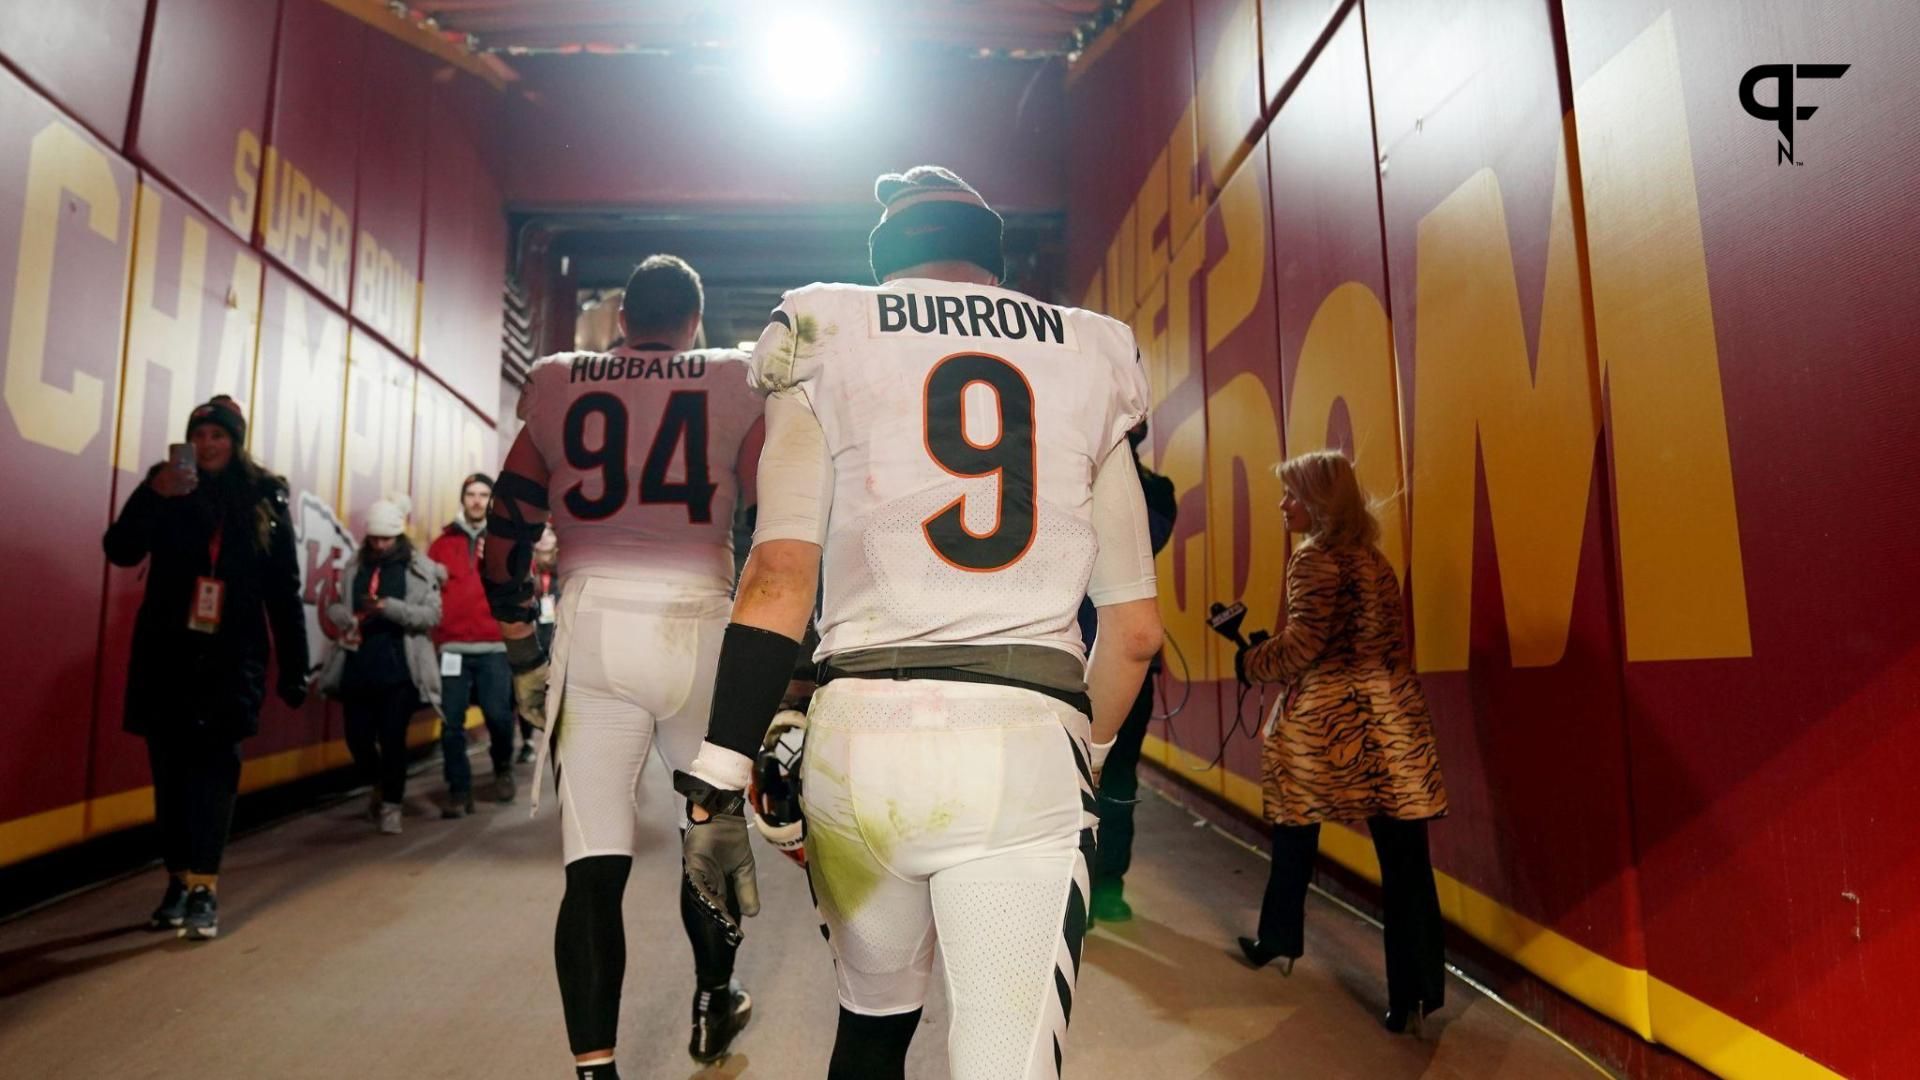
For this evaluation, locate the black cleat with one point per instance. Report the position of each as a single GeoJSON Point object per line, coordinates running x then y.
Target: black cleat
{"type": "Point", "coordinates": [718, 1016]}
{"type": "Point", "coordinates": [202, 919]}
{"type": "Point", "coordinates": [173, 906]}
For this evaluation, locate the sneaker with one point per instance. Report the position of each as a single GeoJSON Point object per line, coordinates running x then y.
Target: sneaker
{"type": "Point", "coordinates": [390, 818]}
{"type": "Point", "coordinates": [717, 1017]}
{"type": "Point", "coordinates": [503, 786]}
{"type": "Point", "coordinates": [525, 756]}
{"type": "Point", "coordinates": [201, 920]}
{"type": "Point", "coordinates": [1110, 904]}
{"type": "Point", "coordinates": [173, 907]}
{"type": "Point", "coordinates": [459, 805]}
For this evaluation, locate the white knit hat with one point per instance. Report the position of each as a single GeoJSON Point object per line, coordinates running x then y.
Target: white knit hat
{"type": "Point", "coordinates": [388, 516]}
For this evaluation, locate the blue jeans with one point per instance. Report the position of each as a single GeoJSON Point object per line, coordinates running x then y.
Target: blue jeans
{"type": "Point", "coordinates": [486, 681]}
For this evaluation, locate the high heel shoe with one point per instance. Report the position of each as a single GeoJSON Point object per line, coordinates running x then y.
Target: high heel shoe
{"type": "Point", "coordinates": [1260, 957]}
{"type": "Point", "coordinates": [1411, 1019]}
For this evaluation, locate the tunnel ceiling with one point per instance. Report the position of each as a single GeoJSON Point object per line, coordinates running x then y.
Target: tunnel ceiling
{"type": "Point", "coordinates": [747, 259]}
{"type": "Point", "coordinates": [989, 27]}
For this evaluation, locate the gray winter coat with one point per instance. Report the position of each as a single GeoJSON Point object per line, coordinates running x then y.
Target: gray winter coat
{"type": "Point", "coordinates": [418, 614]}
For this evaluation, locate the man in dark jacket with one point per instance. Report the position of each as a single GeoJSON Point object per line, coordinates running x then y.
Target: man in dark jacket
{"type": "Point", "coordinates": [221, 569]}
{"type": "Point", "coordinates": [1119, 779]}
{"type": "Point", "coordinates": [473, 658]}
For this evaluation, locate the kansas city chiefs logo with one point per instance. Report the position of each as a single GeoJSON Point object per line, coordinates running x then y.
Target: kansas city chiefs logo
{"type": "Point", "coordinates": [323, 545]}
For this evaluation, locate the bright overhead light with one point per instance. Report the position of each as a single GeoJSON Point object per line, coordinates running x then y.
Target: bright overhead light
{"type": "Point", "coordinates": [805, 57]}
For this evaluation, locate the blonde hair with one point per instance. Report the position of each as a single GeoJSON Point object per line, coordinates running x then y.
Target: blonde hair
{"type": "Point", "coordinates": [1336, 506]}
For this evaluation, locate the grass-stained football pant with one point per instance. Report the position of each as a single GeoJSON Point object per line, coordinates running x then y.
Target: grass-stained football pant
{"type": "Point", "coordinates": [639, 671]}
{"type": "Point", "coordinates": [955, 815]}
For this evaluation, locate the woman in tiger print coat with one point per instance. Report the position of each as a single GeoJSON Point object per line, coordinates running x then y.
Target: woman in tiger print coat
{"type": "Point", "coordinates": [1354, 740]}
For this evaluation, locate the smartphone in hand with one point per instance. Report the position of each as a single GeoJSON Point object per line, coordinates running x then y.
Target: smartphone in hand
{"type": "Point", "coordinates": [180, 457]}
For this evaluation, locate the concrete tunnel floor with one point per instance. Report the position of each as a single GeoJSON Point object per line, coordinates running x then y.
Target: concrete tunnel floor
{"type": "Point", "coordinates": [345, 953]}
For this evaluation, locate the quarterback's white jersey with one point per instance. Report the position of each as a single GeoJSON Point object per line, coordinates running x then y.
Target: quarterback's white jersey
{"type": "Point", "coordinates": [641, 450]}
{"type": "Point", "coordinates": [964, 424]}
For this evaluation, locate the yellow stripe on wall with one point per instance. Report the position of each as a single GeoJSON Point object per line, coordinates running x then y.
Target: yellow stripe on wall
{"type": "Point", "coordinates": [1654, 1010]}
{"type": "Point", "coordinates": [50, 830]}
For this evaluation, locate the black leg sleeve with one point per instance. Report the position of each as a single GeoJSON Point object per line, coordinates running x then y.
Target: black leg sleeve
{"type": "Point", "coordinates": [1283, 910]}
{"type": "Point", "coordinates": [590, 950]}
{"type": "Point", "coordinates": [1119, 787]}
{"type": "Point", "coordinates": [872, 1047]}
{"type": "Point", "coordinates": [712, 953]}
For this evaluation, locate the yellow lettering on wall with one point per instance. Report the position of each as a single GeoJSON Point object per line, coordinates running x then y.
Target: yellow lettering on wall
{"type": "Point", "coordinates": [299, 211]}
{"type": "Point", "coordinates": [1682, 578]}
{"type": "Point", "coordinates": [239, 329]}
{"type": "Point", "coordinates": [1095, 298]}
{"type": "Point", "coordinates": [378, 427]}
{"type": "Point", "coordinates": [339, 238]}
{"type": "Point", "coordinates": [274, 221]}
{"type": "Point", "coordinates": [1180, 343]}
{"type": "Point", "coordinates": [1183, 597]}
{"type": "Point", "coordinates": [318, 265]}
{"type": "Point", "coordinates": [1186, 202]}
{"type": "Point", "coordinates": [1245, 440]}
{"type": "Point", "coordinates": [169, 342]}
{"type": "Point", "coordinates": [1536, 433]}
{"type": "Point", "coordinates": [246, 179]}
{"type": "Point", "coordinates": [1347, 355]}
{"type": "Point", "coordinates": [1150, 223]}
{"type": "Point", "coordinates": [1233, 73]}
{"type": "Point", "coordinates": [308, 392]}
{"type": "Point", "coordinates": [59, 160]}
{"type": "Point", "coordinates": [1235, 281]}
{"type": "Point", "coordinates": [1150, 338]}
{"type": "Point", "coordinates": [1120, 290]}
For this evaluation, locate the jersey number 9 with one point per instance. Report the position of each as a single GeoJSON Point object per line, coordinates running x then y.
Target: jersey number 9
{"type": "Point", "coordinates": [682, 425]}
{"type": "Point", "coordinates": [1009, 457]}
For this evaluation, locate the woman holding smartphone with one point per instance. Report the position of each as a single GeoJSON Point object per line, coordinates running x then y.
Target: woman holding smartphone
{"type": "Point", "coordinates": [214, 528]}
{"type": "Point", "coordinates": [385, 669]}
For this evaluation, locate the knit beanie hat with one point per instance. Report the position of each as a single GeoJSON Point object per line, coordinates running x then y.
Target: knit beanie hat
{"type": "Point", "coordinates": [931, 215]}
{"type": "Point", "coordinates": [388, 516]}
{"type": "Point", "coordinates": [222, 411]}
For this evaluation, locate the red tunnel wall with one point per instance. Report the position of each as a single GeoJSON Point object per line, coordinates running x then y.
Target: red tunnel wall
{"type": "Point", "coordinates": [268, 199]}
{"type": "Point", "coordinates": [1645, 398]}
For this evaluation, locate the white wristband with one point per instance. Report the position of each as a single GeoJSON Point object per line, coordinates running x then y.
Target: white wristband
{"type": "Point", "coordinates": [724, 769]}
{"type": "Point", "coordinates": [1100, 752]}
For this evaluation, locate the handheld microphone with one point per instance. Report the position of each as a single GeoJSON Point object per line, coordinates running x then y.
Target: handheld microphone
{"type": "Point", "coordinates": [1225, 621]}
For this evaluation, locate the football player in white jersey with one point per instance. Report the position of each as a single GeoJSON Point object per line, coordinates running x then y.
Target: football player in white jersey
{"type": "Point", "coordinates": [947, 459]}
{"type": "Point", "coordinates": [638, 457]}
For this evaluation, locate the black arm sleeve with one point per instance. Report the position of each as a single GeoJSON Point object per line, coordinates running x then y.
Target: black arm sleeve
{"type": "Point", "coordinates": [755, 667]}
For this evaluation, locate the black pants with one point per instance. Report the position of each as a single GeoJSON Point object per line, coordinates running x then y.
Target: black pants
{"type": "Point", "coordinates": [195, 776]}
{"type": "Point", "coordinates": [377, 719]}
{"type": "Point", "coordinates": [1119, 790]}
{"type": "Point", "coordinates": [1416, 959]}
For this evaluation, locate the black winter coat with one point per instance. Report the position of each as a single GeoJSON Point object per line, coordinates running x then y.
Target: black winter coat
{"type": "Point", "coordinates": [179, 678]}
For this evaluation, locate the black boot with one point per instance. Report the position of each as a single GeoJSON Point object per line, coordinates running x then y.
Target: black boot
{"type": "Point", "coordinates": [1260, 956]}
{"type": "Point", "coordinates": [718, 1015]}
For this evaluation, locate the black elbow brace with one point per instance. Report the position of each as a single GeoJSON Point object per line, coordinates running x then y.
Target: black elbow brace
{"type": "Point", "coordinates": [755, 667]}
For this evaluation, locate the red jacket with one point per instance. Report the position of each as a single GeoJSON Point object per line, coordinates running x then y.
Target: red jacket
{"type": "Point", "coordinates": [465, 614]}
